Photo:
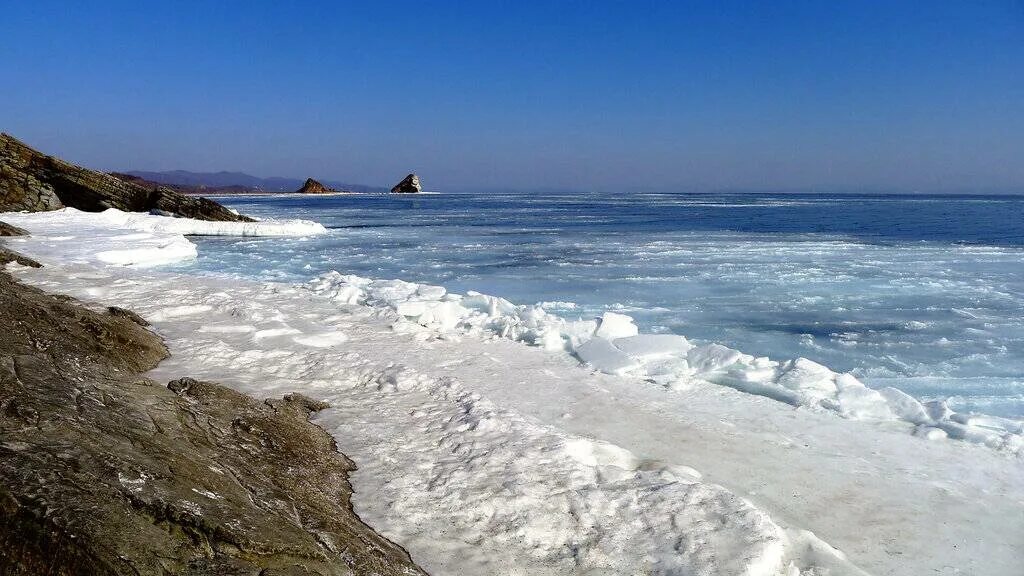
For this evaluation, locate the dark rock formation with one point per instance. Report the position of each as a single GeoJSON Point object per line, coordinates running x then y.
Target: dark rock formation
{"type": "Point", "coordinates": [8, 256]}
{"type": "Point", "coordinates": [33, 181]}
{"type": "Point", "coordinates": [9, 230]}
{"type": "Point", "coordinates": [313, 187]}
{"type": "Point", "coordinates": [123, 313]}
{"type": "Point", "coordinates": [409, 185]}
{"type": "Point", "coordinates": [104, 472]}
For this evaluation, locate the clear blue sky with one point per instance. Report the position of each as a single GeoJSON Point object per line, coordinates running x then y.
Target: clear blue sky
{"type": "Point", "coordinates": [896, 95]}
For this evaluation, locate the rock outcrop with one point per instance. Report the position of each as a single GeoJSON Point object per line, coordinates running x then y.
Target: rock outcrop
{"type": "Point", "coordinates": [9, 230]}
{"type": "Point", "coordinates": [8, 256]}
{"type": "Point", "coordinates": [33, 181]}
{"type": "Point", "coordinates": [103, 471]}
{"type": "Point", "coordinates": [409, 185]}
{"type": "Point", "coordinates": [313, 187]}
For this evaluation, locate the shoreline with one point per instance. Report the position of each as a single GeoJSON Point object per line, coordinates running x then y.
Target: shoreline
{"type": "Point", "coordinates": [324, 194]}
{"type": "Point", "coordinates": [106, 471]}
{"type": "Point", "coordinates": [611, 343]}
{"type": "Point", "coordinates": [537, 388]}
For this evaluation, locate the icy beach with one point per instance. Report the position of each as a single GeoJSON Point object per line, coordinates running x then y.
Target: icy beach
{"type": "Point", "coordinates": [485, 446]}
{"type": "Point", "coordinates": [890, 288]}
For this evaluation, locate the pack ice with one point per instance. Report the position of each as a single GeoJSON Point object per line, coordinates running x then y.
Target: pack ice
{"type": "Point", "coordinates": [612, 344]}
{"type": "Point", "coordinates": [473, 482]}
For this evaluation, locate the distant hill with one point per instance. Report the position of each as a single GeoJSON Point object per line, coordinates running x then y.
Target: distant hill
{"type": "Point", "coordinates": [239, 182]}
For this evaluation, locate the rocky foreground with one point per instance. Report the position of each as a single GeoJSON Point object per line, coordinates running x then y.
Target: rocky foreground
{"type": "Point", "coordinates": [103, 471]}
{"type": "Point", "coordinates": [32, 181]}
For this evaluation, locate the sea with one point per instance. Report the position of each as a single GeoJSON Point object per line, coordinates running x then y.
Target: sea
{"type": "Point", "coordinates": [924, 293]}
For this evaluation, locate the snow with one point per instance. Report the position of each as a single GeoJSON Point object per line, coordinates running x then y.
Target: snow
{"type": "Point", "coordinates": [612, 344]}
{"type": "Point", "coordinates": [602, 355]}
{"type": "Point", "coordinates": [650, 347]}
{"type": "Point", "coordinates": [816, 283]}
{"type": "Point", "coordinates": [614, 325]}
{"type": "Point", "coordinates": [153, 239]}
{"type": "Point", "coordinates": [485, 448]}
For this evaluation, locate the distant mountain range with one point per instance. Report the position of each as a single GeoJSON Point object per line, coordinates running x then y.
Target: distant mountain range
{"type": "Point", "coordinates": [238, 182]}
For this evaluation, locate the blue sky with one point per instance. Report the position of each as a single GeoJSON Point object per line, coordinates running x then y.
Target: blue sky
{"type": "Point", "coordinates": [686, 96]}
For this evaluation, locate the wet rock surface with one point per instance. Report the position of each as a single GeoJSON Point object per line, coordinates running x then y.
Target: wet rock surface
{"type": "Point", "coordinates": [34, 182]}
{"type": "Point", "coordinates": [103, 471]}
{"type": "Point", "coordinates": [8, 256]}
{"type": "Point", "coordinates": [9, 230]}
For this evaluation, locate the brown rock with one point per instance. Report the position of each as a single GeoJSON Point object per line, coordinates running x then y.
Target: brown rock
{"type": "Point", "coordinates": [33, 181]}
{"type": "Point", "coordinates": [9, 230]}
{"type": "Point", "coordinates": [409, 185]}
{"type": "Point", "coordinates": [102, 472]}
{"type": "Point", "coordinates": [8, 256]}
{"type": "Point", "coordinates": [313, 187]}
{"type": "Point", "coordinates": [128, 314]}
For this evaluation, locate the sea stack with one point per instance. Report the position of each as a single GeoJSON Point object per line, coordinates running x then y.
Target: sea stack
{"type": "Point", "coordinates": [313, 187]}
{"type": "Point", "coordinates": [409, 185]}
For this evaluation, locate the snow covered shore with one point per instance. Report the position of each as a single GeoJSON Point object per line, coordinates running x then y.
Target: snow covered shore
{"type": "Point", "coordinates": [139, 239]}
{"type": "Point", "coordinates": [484, 456]}
{"type": "Point", "coordinates": [612, 344]}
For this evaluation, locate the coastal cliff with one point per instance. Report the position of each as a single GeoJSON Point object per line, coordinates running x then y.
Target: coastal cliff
{"type": "Point", "coordinates": [32, 181]}
{"type": "Point", "coordinates": [103, 471]}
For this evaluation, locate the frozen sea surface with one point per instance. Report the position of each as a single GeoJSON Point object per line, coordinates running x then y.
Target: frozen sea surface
{"type": "Point", "coordinates": [922, 293]}
{"type": "Point", "coordinates": [484, 456]}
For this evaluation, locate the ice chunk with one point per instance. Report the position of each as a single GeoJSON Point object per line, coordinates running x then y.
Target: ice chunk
{"type": "Point", "coordinates": [905, 406]}
{"type": "Point", "coordinates": [614, 325]}
{"type": "Point", "coordinates": [428, 292]}
{"type": "Point", "coordinates": [930, 433]}
{"type": "Point", "coordinates": [648, 347]}
{"type": "Point", "coordinates": [414, 308]}
{"type": "Point", "coordinates": [604, 357]}
{"type": "Point", "coordinates": [446, 315]}
{"type": "Point", "coordinates": [551, 340]}
{"type": "Point", "coordinates": [392, 291]}
{"type": "Point", "coordinates": [579, 331]}
{"type": "Point", "coordinates": [711, 357]}
{"type": "Point", "coordinates": [491, 305]}
{"type": "Point", "coordinates": [860, 402]}
{"type": "Point", "coordinates": [808, 377]}
{"type": "Point", "coordinates": [168, 252]}
{"type": "Point", "coordinates": [937, 410]}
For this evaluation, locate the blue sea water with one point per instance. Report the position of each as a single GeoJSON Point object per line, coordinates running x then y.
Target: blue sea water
{"type": "Point", "coordinates": [924, 293]}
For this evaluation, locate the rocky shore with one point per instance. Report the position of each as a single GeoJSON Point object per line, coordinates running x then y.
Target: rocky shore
{"type": "Point", "coordinates": [33, 182]}
{"type": "Point", "coordinates": [103, 471]}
